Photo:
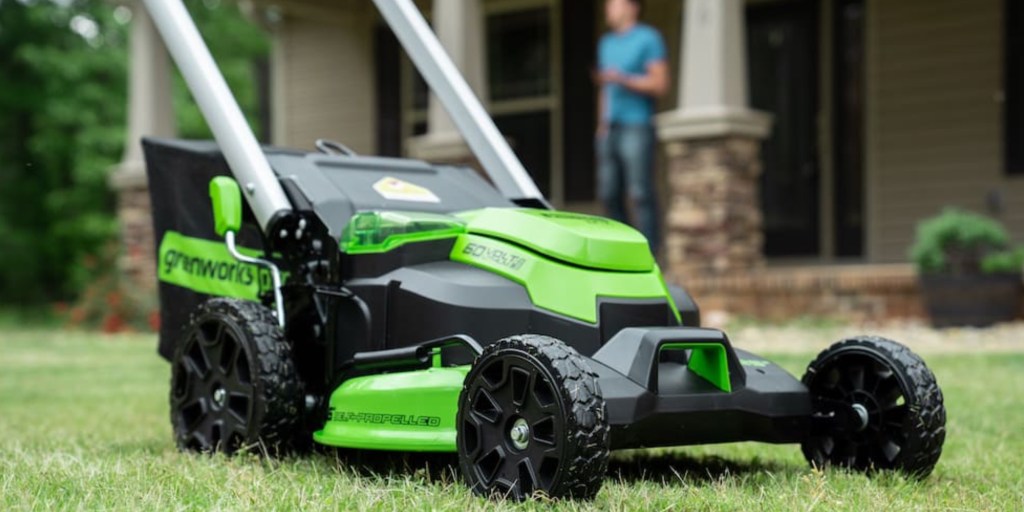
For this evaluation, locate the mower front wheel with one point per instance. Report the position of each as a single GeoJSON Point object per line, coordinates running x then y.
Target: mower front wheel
{"type": "Point", "coordinates": [532, 419]}
{"type": "Point", "coordinates": [234, 384]}
{"type": "Point", "coordinates": [882, 407]}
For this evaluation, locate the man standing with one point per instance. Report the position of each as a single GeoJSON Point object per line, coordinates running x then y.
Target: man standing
{"type": "Point", "coordinates": [632, 73]}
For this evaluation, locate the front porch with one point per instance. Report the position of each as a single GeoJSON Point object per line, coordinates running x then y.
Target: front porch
{"type": "Point", "coordinates": [833, 160]}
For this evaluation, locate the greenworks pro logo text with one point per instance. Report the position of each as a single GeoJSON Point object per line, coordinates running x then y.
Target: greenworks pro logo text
{"type": "Point", "coordinates": [205, 266]}
{"type": "Point", "coordinates": [200, 267]}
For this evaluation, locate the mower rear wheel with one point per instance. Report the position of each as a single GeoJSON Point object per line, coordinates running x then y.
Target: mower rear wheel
{"type": "Point", "coordinates": [885, 408]}
{"type": "Point", "coordinates": [234, 384]}
{"type": "Point", "coordinates": [532, 420]}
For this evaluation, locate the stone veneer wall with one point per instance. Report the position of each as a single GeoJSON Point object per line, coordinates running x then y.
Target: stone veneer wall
{"type": "Point", "coordinates": [713, 217]}
{"type": "Point", "coordinates": [138, 257]}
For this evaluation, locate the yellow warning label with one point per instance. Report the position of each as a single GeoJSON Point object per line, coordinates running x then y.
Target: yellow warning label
{"type": "Point", "coordinates": [398, 190]}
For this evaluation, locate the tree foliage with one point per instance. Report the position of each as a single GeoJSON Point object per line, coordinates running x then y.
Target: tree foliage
{"type": "Point", "coordinates": [238, 46]}
{"type": "Point", "coordinates": [63, 110]}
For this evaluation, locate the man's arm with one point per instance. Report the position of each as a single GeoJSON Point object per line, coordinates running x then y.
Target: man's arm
{"type": "Point", "coordinates": [654, 83]}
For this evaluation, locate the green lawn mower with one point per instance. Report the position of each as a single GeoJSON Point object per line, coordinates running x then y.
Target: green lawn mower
{"type": "Point", "coordinates": [390, 304]}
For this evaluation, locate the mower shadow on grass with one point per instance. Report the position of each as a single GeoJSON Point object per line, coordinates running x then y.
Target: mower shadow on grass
{"type": "Point", "coordinates": [674, 468]}
{"type": "Point", "coordinates": [432, 467]}
{"type": "Point", "coordinates": [668, 468]}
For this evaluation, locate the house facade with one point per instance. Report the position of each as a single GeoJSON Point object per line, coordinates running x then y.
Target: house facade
{"type": "Point", "coordinates": [802, 140]}
{"type": "Point", "coordinates": [884, 111]}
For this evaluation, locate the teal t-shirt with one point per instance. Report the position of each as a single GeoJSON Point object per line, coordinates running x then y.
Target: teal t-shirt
{"type": "Point", "coordinates": [629, 53]}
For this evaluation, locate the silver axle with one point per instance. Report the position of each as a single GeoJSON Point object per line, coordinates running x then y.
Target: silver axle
{"type": "Point", "coordinates": [275, 274]}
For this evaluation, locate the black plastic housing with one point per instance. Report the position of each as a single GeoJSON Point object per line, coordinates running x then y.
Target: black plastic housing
{"type": "Point", "coordinates": [658, 401]}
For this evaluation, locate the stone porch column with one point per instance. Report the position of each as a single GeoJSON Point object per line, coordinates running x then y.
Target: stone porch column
{"type": "Point", "coordinates": [712, 143]}
{"type": "Point", "coordinates": [150, 113]}
{"type": "Point", "coordinates": [459, 25]}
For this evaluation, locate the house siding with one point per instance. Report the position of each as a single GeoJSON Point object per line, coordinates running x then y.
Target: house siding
{"type": "Point", "coordinates": [935, 135]}
{"type": "Point", "coordinates": [324, 80]}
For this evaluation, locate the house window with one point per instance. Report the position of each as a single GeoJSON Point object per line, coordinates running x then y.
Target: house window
{"type": "Point", "coordinates": [523, 38]}
{"type": "Point", "coordinates": [1014, 87]}
{"type": "Point", "coordinates": [519, 54]}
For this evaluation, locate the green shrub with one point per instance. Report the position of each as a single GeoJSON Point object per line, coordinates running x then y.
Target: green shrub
{"type": "Point", "coordinates": [960, 242]}
{"type": "Point", "coordinates": [1004, 262]}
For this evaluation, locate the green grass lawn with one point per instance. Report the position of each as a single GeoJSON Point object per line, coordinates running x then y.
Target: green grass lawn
{"type": "Point", "coordinates": [84, 425]}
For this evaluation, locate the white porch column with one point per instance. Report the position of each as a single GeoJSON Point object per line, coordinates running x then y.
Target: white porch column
{"type": "Point", "coordinates": [459, 25]}
{"type": "Point", "coordinates": [150, 107]}
{"type": "Point", "coordinates": [712, 141]}
{"type": "Point", "coordinates": [714, 100]}
{"type": "Point", "coordinates": [150, 113]}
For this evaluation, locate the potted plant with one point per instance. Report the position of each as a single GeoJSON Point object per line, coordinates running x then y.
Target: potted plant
{"type": "Point", "coordinates": [970, 274]}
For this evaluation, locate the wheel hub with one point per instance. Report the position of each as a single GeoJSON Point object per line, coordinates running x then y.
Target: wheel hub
{"type": "Point", "coordinates": [861, 418]}
{"type": "Point", "coordinates": [219, 397]}
{"type": "Point", "coordinates": [520, 434]}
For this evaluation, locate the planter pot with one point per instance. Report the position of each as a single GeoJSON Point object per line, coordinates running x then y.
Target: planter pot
{"type": "Point", "coordinates": [972, 300]}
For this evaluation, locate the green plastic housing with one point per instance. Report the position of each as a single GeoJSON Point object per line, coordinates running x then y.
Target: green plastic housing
{"type": "Point", "coordinates": [564, 289]}
{"type": "Point", "coordinates": [574, 238]}
{"type": "Point", "coordinates": [565, 260]}
{"type": "Point", "coordinates": [410, 411]}
{"type": "Point", "coordinates": [382, 231]}
{"type": "Point", "coordinates": [226, 199]}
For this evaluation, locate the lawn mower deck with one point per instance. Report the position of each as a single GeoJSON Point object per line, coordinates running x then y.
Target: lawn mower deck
{"type": "Point", "coordinates": [653, 396]}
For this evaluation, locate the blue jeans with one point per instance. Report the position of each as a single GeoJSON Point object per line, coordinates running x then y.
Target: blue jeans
{"type": "Point", "coordinates": [625, 163]}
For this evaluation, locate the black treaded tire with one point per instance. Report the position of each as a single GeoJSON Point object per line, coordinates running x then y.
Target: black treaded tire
{"type": "Point", "coordinates": [901, 424]}
{"type": "Point", "coordinates": [547, 385]}
{"type": "Point", "coordinates": [236, 347]}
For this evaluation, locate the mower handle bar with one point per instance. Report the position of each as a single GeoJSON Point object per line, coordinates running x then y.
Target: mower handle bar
{"type": "Point", "coordinates": [242, 151]}
{"type": "Point", "coordinates": [458, 99]}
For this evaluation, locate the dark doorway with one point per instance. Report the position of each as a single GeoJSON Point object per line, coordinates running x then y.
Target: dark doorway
{"type": "Point", "coordinates": [578, 99]}
{"type": "Point", "coordinates": [529, 134]}
{"type": "Point", "coordinates": [782, 40]}
{"type": "Point", "coordinates": [848, 127]}
{"type": "Point", "coordinates": [519, 49]}
{"type": "Point", "coordinates": [387, 54]}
